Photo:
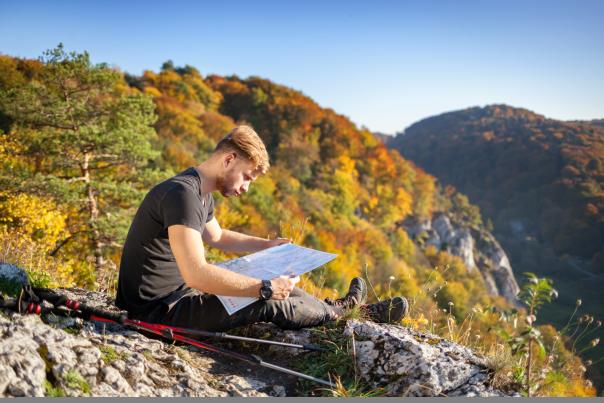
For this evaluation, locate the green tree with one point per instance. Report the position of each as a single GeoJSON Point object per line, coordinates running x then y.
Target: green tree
{"type": "Point", "coordinates": [83, 138]}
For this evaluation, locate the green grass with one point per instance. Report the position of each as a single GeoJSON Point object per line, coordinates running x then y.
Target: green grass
{"type": "Point", "coordinates": [72, 330]}
{"type": "Point", "coordinates": [354, 389]}
{"type": "Point", "coordinates": [353, 313]}
{"type": "Point", "coordinates": [336, 364]}
{"type": "Point", "coordinates": [108, 354]}
{"type": "Point", "coordinates": [52, 391]}
{"type": "Point", "coordinates": [148, 355]}
{"type": "Point", "coordinates": [74, 380]}
{"type": "Point", "coordinates": [39, 278]}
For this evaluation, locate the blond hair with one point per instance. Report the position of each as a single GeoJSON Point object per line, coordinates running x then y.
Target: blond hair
{"type": "Point", "coordinates": [245, 141]}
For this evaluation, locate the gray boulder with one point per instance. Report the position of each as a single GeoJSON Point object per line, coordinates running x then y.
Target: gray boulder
{"type": "Point", "coordinates": [409, 363]}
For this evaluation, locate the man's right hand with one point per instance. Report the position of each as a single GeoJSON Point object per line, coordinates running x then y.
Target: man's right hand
{"type": "Point", "coordinates": [283, 286]}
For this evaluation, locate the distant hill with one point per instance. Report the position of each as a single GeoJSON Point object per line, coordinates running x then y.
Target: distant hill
{"type": "Point", "coordinates": [540, 181]}
{"type": "Point", "coordinates": [595, 122]}
{"type": "Point", "coordinates": [531, 175]}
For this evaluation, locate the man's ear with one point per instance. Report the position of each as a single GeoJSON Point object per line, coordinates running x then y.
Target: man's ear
{"type": "Point", "coordinates": [229, 159]}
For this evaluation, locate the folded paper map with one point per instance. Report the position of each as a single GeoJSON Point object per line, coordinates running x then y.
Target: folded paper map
{"type": "Point", "coordinates": [287, 259]}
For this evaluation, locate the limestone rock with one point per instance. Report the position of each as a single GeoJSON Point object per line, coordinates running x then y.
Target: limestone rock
{"type": "Point", "coordinates": [79, 358]}
{"type": "Point", "coordinates": [476, 247]}
{"type": "Point", "coordinates": [408, 363]}
{"type": "Point", "coordinates": [496, 265]}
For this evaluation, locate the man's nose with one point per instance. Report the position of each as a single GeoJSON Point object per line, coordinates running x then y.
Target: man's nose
{"type": "Point", "coordinates": [245, 187]}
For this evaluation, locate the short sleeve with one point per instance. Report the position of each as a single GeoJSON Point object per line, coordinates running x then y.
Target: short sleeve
{"type": "Point", "coordinates": [181, 205]}
{"type": "Point", "coordinates": [210, 208]}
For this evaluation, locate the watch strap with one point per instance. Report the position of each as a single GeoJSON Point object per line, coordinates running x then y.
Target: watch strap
{"type": "Point", "coordinates": [266, 290]}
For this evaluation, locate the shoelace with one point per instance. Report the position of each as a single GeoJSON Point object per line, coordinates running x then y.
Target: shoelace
{"type": "Point", "coordinates": [342, 302]}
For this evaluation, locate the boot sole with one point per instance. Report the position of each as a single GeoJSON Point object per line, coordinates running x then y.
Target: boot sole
{"type": "Point", "coordinates": [363, 291]}
{"type": "Point", "coordinates": [363, 287]}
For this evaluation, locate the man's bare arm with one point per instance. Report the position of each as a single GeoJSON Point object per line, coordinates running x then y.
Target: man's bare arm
{"type": "Point", "coordinates": [187, 247]}
{"type": "Point", "coordinates": [232, 241]}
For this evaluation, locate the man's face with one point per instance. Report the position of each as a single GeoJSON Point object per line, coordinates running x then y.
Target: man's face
{"type": "Point", "coordinates": [237, 175]}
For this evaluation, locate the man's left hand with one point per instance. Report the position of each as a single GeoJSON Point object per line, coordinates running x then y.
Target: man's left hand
{"type": "Point", "coordinates": [277, 241]}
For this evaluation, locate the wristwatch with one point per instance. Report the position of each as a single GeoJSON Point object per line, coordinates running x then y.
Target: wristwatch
{"type": "Point", "coordinates": [266, 290]}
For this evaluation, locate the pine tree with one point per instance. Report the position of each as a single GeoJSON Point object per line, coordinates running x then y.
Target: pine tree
{"type": "Point", "coordinates": [82, 137]}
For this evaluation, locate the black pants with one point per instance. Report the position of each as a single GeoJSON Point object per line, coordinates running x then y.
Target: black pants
{"type": "Point", "coordinates": [206, 312]}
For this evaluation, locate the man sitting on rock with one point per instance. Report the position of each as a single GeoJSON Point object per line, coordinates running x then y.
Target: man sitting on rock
{"type": "Point", "coordinates": [165, 278]}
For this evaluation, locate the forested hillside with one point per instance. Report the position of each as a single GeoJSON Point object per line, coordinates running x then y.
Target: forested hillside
{"type": "Point", "coordinates": [541, 183]}
{"type": "Point", "coordinates": [81, 144]}
{"type": "Point", "coordinates": [530, 174]}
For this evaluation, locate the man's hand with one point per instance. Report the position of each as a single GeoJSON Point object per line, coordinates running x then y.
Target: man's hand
{"type": "Point", "coordinates": [283, 286]}
{"type": "Point", "coordinates": [276, 242]}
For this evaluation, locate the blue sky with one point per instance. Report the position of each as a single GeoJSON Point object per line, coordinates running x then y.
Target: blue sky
{"type": "Point", "coordinates": [384, 64]}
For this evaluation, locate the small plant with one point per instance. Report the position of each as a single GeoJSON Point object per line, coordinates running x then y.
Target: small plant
{"type": "Point", "coordinates": [534, 293]}
{"type": "Point", "coordinates": [108, 354]}
{"type": "Point", "coordinates": [354, 389]}
{"type": "Point", "coordinates": [338, 364]}
{"type": "Point", "coordinates": [52, 391]}
{"type": "Point", "coordinates": [74, 380]}
{"type": "Point", "coordinates": [39, 278]}
{"type": "Point", "coordinates": [583, 326]}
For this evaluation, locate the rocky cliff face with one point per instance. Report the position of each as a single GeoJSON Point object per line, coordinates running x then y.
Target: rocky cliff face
{"type": "Point", "coordinates": [56, 355]}
{"type": "Point", "coordinates": [477, 248]}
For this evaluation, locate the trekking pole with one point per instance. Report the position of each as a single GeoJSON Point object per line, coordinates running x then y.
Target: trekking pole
{"type": "Point", "coordinates": [251, 358]}
{"type": "Point", "coordinates": [165, 331]}
{"type": "Point", "coordinates": [57, 299]}
{"type": "Point", "coordinates": [222, 335]}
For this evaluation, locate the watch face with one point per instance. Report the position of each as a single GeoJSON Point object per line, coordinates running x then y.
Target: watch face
{"type": "Point", "coordinates": [266, 292]}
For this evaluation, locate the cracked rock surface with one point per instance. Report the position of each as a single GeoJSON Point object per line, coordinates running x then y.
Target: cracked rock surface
{"type": "Point", "coordinates": [409, 363]}
{"type": "Point", "coordinates": [110, 363]}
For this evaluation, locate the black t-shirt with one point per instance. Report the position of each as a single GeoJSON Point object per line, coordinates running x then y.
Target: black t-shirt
{"type": "Point", "coordinates": [148, 270]}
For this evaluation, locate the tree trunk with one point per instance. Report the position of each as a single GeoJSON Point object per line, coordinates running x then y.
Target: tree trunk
{"type": "Point", "coordinates": [93, 211]}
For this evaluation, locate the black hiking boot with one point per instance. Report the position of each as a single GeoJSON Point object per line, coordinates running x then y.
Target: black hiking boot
{"type": "Point", "coordinates": [356, 296]}
{"type": "Point", "coordinates": [387, 311]}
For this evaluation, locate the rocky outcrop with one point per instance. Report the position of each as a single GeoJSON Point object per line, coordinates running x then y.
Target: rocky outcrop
{"type": "Point", "coordinates": [495, 265]}
{"type": "Point", "coordinates": [408, 363]}
{"type": "Point", "coordinates": [74, 358]}
{"type": "Point", "coordinates": [476, 247]}
{"type": "Point", "coordinates": [65, 356]}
